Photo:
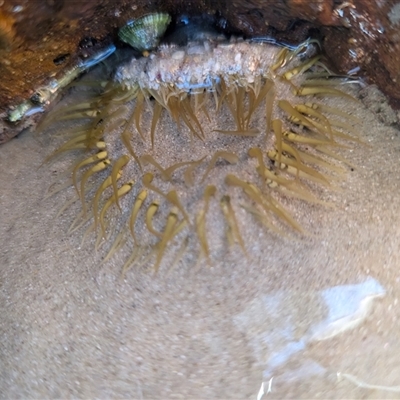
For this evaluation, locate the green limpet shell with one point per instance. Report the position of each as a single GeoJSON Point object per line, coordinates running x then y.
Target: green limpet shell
{"type": "Point", "coordinates": [145, 33]}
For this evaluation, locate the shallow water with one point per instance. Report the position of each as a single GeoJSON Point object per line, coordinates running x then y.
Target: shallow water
{"type": "Point", "coordinates": [301, 317]}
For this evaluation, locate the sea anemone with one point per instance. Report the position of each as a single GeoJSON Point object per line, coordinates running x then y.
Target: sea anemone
{"type": "Point", "coordinates": [250, 134]}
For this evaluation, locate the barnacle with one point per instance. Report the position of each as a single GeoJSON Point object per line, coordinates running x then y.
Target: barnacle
{"type": "Point", "coordinates": [279, 143]}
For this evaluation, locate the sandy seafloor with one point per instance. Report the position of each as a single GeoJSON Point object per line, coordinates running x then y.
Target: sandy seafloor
{"type": "Point", "coordinates": [71, 328]}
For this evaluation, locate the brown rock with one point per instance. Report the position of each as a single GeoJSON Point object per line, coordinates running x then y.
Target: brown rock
{"type": "Point", "coordinates": [40, 38]}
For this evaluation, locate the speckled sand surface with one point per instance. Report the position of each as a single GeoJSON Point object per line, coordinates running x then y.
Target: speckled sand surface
{"type": "Point", "coordinates": [70, 328]}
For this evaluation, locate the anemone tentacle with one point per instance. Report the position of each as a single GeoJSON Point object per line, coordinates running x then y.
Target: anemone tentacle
{"type": "Point", "coordinates": [277, 134]}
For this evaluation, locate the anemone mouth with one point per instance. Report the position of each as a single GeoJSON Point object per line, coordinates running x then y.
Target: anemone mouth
{"type": "Point", "coordinates": [237, 147]}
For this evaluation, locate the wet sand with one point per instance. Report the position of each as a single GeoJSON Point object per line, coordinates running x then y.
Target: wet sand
{"type": "Point", "coordinates": [71, 328]}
